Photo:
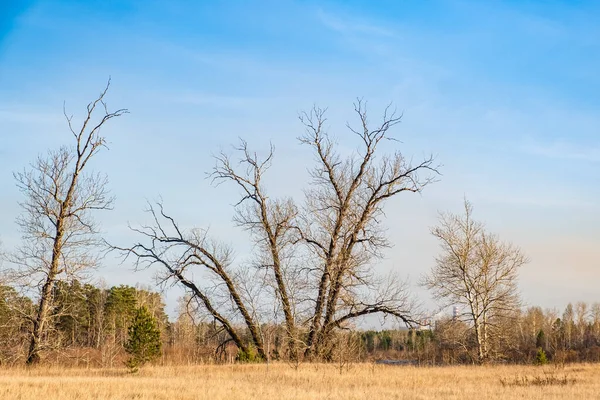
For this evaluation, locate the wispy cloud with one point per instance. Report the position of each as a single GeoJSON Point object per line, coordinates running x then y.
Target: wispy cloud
{"type": "Point", "coordinates": [214, 100]}
{"type": "Point", "coordinates": [352, 26]}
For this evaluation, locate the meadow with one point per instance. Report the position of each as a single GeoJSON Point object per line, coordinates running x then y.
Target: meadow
{"type": "Point", "coordinates": [309, 381]}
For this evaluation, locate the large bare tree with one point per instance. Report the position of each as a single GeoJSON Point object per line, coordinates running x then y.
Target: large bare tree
{"type": "Point", "coordinates": [477, 271]}
{"type": "Point", "coordinates": [341, 222]}
{"type": "Point", "coordinates": [58, 230]}
{"type": "Point", "coordinates": [271, 223]}
{"type": "Point", "coordinates": [184, 255]}
{"type": "Point", "coordinates": [319, 254]}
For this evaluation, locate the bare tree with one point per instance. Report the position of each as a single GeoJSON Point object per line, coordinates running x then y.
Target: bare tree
{"type": "Point", "coordinates": [341, 222]}
{"type": "Point", "coordinates": [581, 319]}
{"type": "Point", "coordinates": [595, 322]}
{"type": "Point", "coordinates": [180, 253]}
{"type": "Point", "coordinates": [477, 271]}
{"type": "Point", "coordinates": [270, 221]}
{"type": "Point", "coordinates": [56, 223]}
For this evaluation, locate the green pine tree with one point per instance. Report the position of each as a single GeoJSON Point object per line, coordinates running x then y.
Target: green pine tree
{"type": "Point", "coordinates": [540, 340]}
{"type": "Point", "coordinates": [540, 357]}
{"type": "Point", "coordinates": [144, 342]}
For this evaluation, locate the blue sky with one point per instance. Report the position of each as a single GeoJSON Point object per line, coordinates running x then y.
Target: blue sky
{"type": "Point", "coordinates": [505, 93]}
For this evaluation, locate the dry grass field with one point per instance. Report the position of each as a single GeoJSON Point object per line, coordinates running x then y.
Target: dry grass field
{"type": "Point", "coordinates": [363, 381]}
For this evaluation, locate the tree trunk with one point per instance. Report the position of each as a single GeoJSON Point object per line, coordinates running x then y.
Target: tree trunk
{"type": "Point", "coordinates": [316, 321]}
{"type": "Point", "coordinates": [33, 356]}
{"type": "Point", "coordinates": [480, 344]}
{"type": "Point", "coordinates": [285, 301]}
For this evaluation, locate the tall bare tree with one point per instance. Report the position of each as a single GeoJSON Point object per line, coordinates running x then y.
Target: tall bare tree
{"type": "Point", "coordinates": [181, 254]}
{"type": "Point", "coordinates": [477, 271]}
{"type": "Point", "coordinates": [57, 225]}
{"type": "Point", "coordinates": [341, 222]}
{"type": "Point", "coordinates": [270, 221]}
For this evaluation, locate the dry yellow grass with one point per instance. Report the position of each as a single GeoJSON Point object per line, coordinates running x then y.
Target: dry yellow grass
{"type": "Point", "coordinates": [363, 381]}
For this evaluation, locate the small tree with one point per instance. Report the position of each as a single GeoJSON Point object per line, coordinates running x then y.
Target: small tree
{"type": "Point", "coordinates": [540, 357]}
{"type": "Point", "coordinates": [477, 271]}
{"type": "Point", "coordinates": [144, 343]}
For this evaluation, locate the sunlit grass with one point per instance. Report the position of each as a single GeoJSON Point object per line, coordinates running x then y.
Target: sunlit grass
{"type": "Point", "coordinates": [310, 381]}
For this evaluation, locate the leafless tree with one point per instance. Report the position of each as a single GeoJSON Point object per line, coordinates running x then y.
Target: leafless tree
{"type": "Point", "coordinates": [56, 223]}
{"type": "Point", "coordinates": [271, 223]}
{"type": "Point", "coordinates": [347, 349]}
{"type": "Point", "coordinates": [477, 271]}
{"type": "Point", "coordinates": [180, 254]}
{"type": "Point", "coordinates": [452, 336]}
{"type": "Point", "coordinates": [581, 319]}
{"type": "Point", "coordinates": [341, 222]}
{"type": "Point", "coordinates": [595, 316]}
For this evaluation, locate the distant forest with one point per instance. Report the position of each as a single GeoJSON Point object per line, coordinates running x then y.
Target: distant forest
{"type": "Point", "coordinates": [90, 329]}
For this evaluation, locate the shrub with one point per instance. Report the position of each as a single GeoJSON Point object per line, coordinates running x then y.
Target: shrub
{"type": "Point", "coordinates": [548, 379]}
{"type": "Point", "coordinates": [249, 356]}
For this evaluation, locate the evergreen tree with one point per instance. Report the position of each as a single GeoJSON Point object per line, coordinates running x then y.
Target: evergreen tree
{"type": "Point", "coordinates": [540, 340]}
{"type": "Point", "coordinates": [119, 310]}
{"type": "Point", "coordinates": [540, 357]}
{"type": "Point", "coordinates": [144, 342]}
{"type": "Point", "coordinates": [70, 312]}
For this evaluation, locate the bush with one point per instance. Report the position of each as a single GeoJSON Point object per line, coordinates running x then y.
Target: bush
{"type": "Point", "coordinates": [144, 342]}
{"type": "Point", "coordinates": [249, 356]}
{"type": "Point", "coordinates": [540, 357]}
{"type": "Point", "coordinates": [548, 379]}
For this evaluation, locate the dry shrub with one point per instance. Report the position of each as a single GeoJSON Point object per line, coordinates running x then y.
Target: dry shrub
{"type": "Point", "coordinates": [547, 379]}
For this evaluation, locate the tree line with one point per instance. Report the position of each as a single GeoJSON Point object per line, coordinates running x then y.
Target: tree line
{"type": "Point", "coordinates": [91, 326]}
{"type": "Point", "coordinates": [312, 276]}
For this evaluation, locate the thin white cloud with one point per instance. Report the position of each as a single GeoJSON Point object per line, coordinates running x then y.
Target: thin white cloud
{"type": "Point", "coordinates": [200, 99]}
{"type": "Point", "coordinates": [348, 26]}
